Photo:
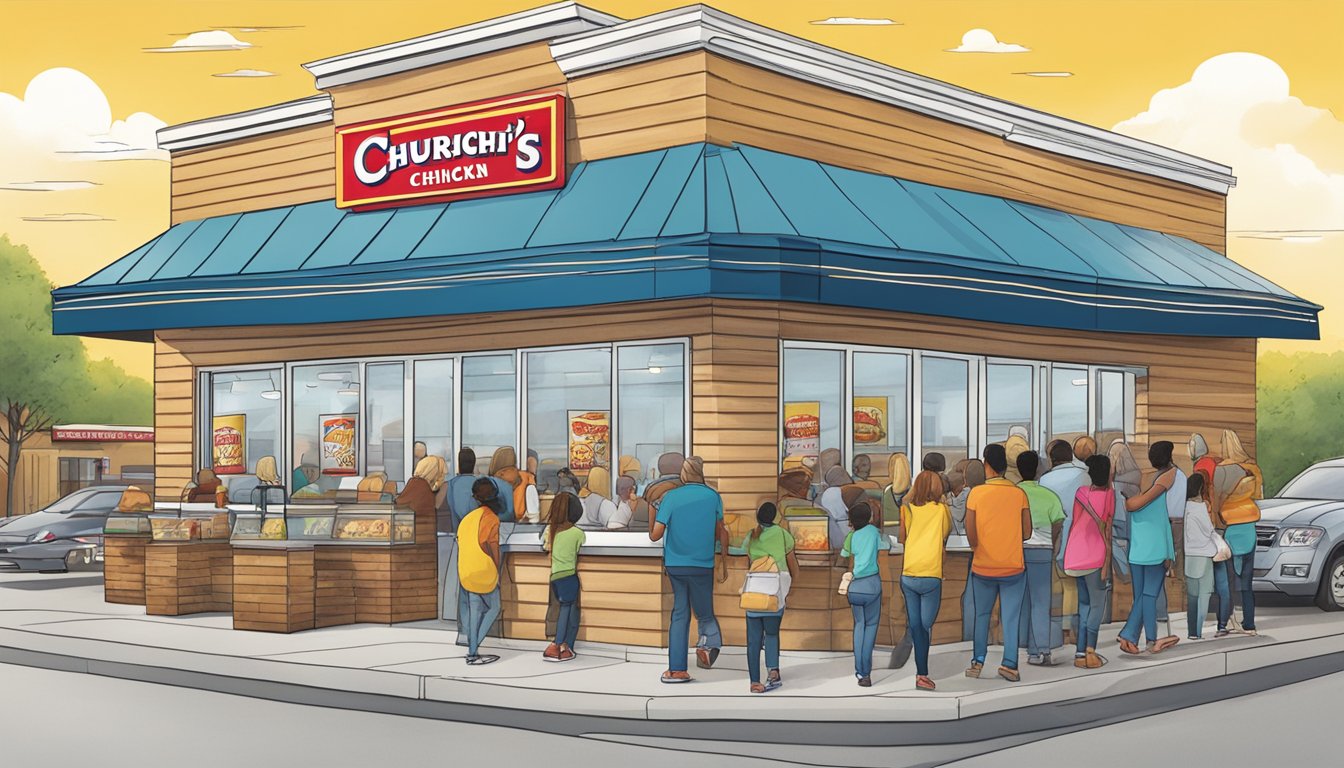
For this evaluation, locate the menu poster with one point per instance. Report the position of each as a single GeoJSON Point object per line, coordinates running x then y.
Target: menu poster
{"type": "Point", "coordinates": [870, 420]}
{"type": "Point", "coordinates": [802, 429]}
{"type": "Point", "coordinates": [589, 440]}
{"type": "Point", "coordinates": [227, 435]}
{"type": "Point", "coordinates": [338, 444]}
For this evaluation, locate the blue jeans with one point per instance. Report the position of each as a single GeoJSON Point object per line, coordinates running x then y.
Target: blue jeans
{"type": "Point", "coordinates": [923, 597]}
{"type": "Point", "coordinates": [1091, 607]}
{"type": "Point", "coordinates": [482, 610]}
{"type": "Point", "coordinates": [1036, 603]}
{"type": "Point", "coordinates": [865, 601]}
{"type": "Point", "coordinates": [566, 591]}
{"type": "Point", "coordinates": [1008, 591]}
{"type": "Point", "coordinates": [1148, 584]}
{"type": "Point", "coordinates": [1222, 588]}
{"type": "Point", "coordinates": [762, 634]}
{"type": "Point", "coordinates": [692, 590]}
{"type": "Point", "coordinates": [1241, 576]}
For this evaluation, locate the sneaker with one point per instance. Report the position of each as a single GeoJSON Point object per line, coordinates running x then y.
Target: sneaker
{"type": "Point", "coordinates": [483, 659]}
{"type": "Point", "coordinates": [1221, 633]}
{"type": "Point", "coordinates": [705, 657]}
{"type": "Point", "coordinates": [1249, 631]}
{"type": "Point", "coordinates": [865, 682]}
{"type": "Point", "coordinates": [566, 654]}
{"type": "Point", "coordinates": [773, 680]}
{"type": "Point", "coordinates": [1193, 638]}
{"type": "Point", "coordinates": [680, 676]}
{"type": "Point", "coordinates": [1010, 674]}
{"type": "Point", "coordinates": [923, 683]}
{"type": "Point", "coordinates": [974, 669]}
{"type": "Point", "coordinates": [1040, 660]}
{"type": "Point", "coordinates": [552, 653]}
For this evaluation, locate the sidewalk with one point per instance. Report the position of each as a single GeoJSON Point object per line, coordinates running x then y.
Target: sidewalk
{"type": "Point", "coordinates": [61, 622]}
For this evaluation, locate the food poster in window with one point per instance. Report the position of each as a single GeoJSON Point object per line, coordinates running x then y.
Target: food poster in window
{"type": "Point", "coordinates": [802, 428]}
{"type": "Point", "coordinates": [870, 420]}
{"type": "Point", "coordinates": [227, 444]}
{"type": "Point", "coordinates": [338, 444]}
{"type": "Point", "coordinates": [589, 440]}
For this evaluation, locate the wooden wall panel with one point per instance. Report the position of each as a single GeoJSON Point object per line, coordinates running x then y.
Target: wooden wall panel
{"type": "Point", "coordinates": [286, 168]}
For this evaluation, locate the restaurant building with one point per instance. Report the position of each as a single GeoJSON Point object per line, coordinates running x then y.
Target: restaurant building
{"type": "Point", "coordinates": [681, 231]}
{"type": "Point", "coordinates": [67, 457]}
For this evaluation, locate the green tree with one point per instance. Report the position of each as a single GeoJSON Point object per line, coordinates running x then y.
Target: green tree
{"type": "Point", "coordinates": [44, 378]}
{"type": "Point", "coordinates": [1299, 413]}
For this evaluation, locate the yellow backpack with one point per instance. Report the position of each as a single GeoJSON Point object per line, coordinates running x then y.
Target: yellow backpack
{"type": "Point", "coordinates": [475, 568]}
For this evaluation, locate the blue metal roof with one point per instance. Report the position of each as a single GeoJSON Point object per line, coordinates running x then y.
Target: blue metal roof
{"type": "Point", "coordinates": [694, 220]}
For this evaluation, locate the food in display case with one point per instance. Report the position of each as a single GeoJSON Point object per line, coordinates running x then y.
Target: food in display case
{"type": "Point", "coordinates": [273, 529]}
{"type": "Point", "coordinates": [377, 529]}
{"type": "Point", "coordinates": [810, 534]}
{"type": "Point", "coordinates": [215, 526]}
{"type": "Point", "coordinates": [133, 524]}
{"type": "Point", "coordinates": [375, 525]}
{"type": "Point", "coordinates": [247, 525]}
{"type": "Point", "coordinates": [175, 528]}
{"type": "Point", "coordinates": [310, 522]}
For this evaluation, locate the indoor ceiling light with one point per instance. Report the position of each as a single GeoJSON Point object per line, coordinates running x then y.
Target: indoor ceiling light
{"type": "Point", "coordinates": [332, 376]}
{"type": "Point", "coordinates": [349, 390]}
{"type": "Point", "coordinates": [655, 369]}
{"type": "Point", "coordinates": [272, 393]}
{"type": "Point", "coordinates": [1080, 382]}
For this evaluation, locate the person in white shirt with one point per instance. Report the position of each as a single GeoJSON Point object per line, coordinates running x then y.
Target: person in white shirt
{"type": "Point", "coordinates": [625, 504]}
{"type": "Point", "coordinates": [598, 509]}
{"type": "Point", "coordinates": [1201, 546]}
{"type": "Point", "coordinates": [833, 502]}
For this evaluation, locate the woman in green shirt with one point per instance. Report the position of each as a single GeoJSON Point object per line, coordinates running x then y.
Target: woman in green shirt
{"type": "Point", "coordinates": [768, 540]}
{"type": "Point", "coordinates": [563, 540]}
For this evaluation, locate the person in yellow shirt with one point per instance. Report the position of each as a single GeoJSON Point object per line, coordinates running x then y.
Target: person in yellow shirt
{"type": "Point", "coordinates": [925, 525]}
{"type": "Point", "coordinates": [478, 564]}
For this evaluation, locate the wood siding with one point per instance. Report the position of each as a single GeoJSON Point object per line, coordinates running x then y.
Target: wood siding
{"type": "Point", "coordinates": [275, 169]}
{"type": "Point", "coordinates": [1193, 384]}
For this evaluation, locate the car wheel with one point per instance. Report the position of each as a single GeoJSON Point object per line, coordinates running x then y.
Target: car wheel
{"type": "Point", "coordinates": [1330, 595]}
{"type": "Point", "coordinates": [78, 559]}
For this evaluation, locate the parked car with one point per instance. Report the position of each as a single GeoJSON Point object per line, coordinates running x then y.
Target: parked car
{"type": "Point", "coordinates": [1300, 537]}
{"type": "Point", "coordinates": [65, 535]}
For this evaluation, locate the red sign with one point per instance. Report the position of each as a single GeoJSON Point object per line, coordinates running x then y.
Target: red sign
{"type": "Point", "coordinates": [101, 435]}
{"type": "Point", "coordinates": [498, 147]}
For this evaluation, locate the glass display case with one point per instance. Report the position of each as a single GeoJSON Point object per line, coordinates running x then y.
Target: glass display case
{"type": "Point", "coordinates": [255, 525]}
{"type": "Point", "coordinates": [810, 534]}
{"type": "Point", "coordinates": [374, 524]}
{"type": "Point", "coordinates": [310, 522]}
{"type": "Point", "coordinates": [170, 527]}
{"type": "Point", "coordinates": [127, 523]}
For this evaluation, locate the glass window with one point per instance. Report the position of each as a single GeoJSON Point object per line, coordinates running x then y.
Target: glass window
{"type": "Point", "coordinates": [245, 417]}
{"type": "Point", "coordinates": [1110, 407]}
{"type": "Point", "coordinates": [813, 396]}
{"type": "Point", "coordinates": [651, 395]}
{"type": "Point", "coordinates": [881, 401]}
{"type": "Point", "coordinates": [1008, 401]}
{"type": "Point", "coordinates": [569, 412]}
{"type": "Point", "coordinates": [1068, 403]}
{"type": "Point", "coordinates": [945, 402]}
{"type": "Point", "coordinates": [489, 413]}
{"type": "Point", "coordinates": [326, 428]}
{"type": "Point", "coordinates": [433, 402]}
{"type": "Point", "coordinates": [78, 473]}
{"type": "Point", "coordinates": [385, 425]}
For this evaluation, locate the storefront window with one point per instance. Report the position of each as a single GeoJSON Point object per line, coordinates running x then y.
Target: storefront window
{"type": "Point", "coordinates": [1068, 403]}
{"type": "Point", "coordinates": [245, 418]}
{"type": "Point", "coordinates": [1008, 401]}
{"type": "Point", "coordinates": [326, 428]}
{"type": "Point", "coordinates": [569, 412]}
{"type": "Point", "coordinates": [881, 400]}
{"type": "Point", "coordinates": [489, 410]}
{"type": "Point", "coordinates": [1115, 411]}
{"type": "Point", "coordinates": [651, 396]}
{"type": "Point", "coordinates": [945, 402]}
{"type": "Point", "coordinates": [814, 394]}
{"type": "Point", "coordinates": [433, 399]}
{"type": "Point", "coordinates": [385, 425]}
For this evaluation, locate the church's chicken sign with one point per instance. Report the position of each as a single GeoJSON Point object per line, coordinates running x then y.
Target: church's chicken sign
{"type": "Point", "coordinates": [507, 145]}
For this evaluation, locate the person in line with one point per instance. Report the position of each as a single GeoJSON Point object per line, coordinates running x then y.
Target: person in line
{"type": "Point", "coordinates": [1237, 484]}
{"type": "Point", "coordinates": [568, 482]}
{"type": "Point", "coordinates": [461, 502]}
{"type": "Point", "coordinates": [865, 587]}
{"type": "Point", "coordinates": [669, 477]}
{"type": "Point", "coordinates": [1086, 557]}
{"type": "Point", "coordinates": [1126, 479]}
{"type": "Point", "coordinates": [1201, 546]}
{"type": "Point", "coordinates": [626, 501]}
{"type": "Point", "coordinates": [519, 489]}
{"type": "Point", "coordinates": [418, 493]}
{"type": "Point", "coordinates": [794, 486]}
{"type": "Point", "coordinates": [863, 467]}
{"type": "Point", "coordinates": [825, 461]}
{"type": "Point", "coordinates": [898, 471]}
{"type": "Point", "coordinates": [1047, 523]}
{"type": "Point", "coordinates": [966, 476]}
{"type": "Point", "coordinates": [478, 565]}
{"type": "Point", "coordinates": [768, 539]}
{"type": "Point", "coordinates": [1204, 462]}
{"type": "Point", "coordinates": [563, 540]}
{"type": "Point", "coordinates": [1017, 443]}
{"type": "Point", "coordinates": [270, 489]}
{"type": "Point", "coordinates": [598, 510]}
{"type": "Point", "coordinates": [926, 523]}
{"type": "Point", "coordinates": [1064, 479]}
{"type": "Point", "coordinates": [629, 466]}
{"type": "Point", "coordinates": [205, 490]}
{"type": "Point", "coordinates": [998, 521]}
{"type": "Point", "coordinates": [937, 464]}
{"type": "Point", "coordinates": [1083, 449]}
{"type": "Point", "coordinates": [443, 517]}
{"type": "Point", "coordinates": [460, 499]}
{"type": "Point", "coordinates": [1151, 552]}
{"type": "Point", "coordinates": [832, 499]}
{"type": "Point", "coordinates": [690, 523]}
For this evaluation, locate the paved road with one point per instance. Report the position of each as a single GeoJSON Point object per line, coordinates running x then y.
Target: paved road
{"type": "Point", "coordinates": [60, 719]}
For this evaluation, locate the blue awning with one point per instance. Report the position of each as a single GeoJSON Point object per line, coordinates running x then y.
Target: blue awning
{"type": "Point", "coordinates": [689, 221]}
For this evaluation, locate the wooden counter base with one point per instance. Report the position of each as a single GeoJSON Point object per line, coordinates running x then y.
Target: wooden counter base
{"type": "Point", "coordinates": [124, 568]}
{"type": "Point", "coordinates": [188, 577]}
{"type": "Point", "coordinates": [272, 589]}
{"type": "Point", "coordinates": [379, 585]}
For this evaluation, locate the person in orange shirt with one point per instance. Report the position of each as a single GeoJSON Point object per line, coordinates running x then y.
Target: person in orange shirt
{"type": "Point", "coordinates": [998, 520]}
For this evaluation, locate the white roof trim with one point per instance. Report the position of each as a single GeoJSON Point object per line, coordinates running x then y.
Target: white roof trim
{"type": "Point", "coordinates": [700, 27]}
{"type": "Point", "coordinates": [241, 125]}
{"type": "Point", "coordinates": [538, 24]}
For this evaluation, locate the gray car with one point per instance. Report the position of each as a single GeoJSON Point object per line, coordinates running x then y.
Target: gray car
{"type": "Point", "coordinates": [65, 535]}
{"type": "Point", "coordinates": [1300, 537]}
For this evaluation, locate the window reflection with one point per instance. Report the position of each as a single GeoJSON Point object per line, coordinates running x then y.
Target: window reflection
{"type": "Point", "coordinates": [880, 403]}
{"type": "Point", "coordinates": [433, 401]}
{"type": "Point", "coordinates": [569, 413]}
{"type": "Point", "coordinates": [651, 392]}
{"type": "Point", "coordinates": [945, 400]}
{"type": "Point", "coordinates": [1068, 403]}
{"type": "Point", "coordinates": [489, 416]}
{"type": "Point", "coordinates": [245, 417]}
{"type": "Point", "coordinates": [1008, 401]}
{"type": "Point", "coordinates": [385, 425]}
{"type": "Point", "coordinates": [326, 428]}
{"type": "Point", "coordinates": [813, 393]}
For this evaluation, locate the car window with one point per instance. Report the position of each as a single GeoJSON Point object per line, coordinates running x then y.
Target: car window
{"type": "Point", "coordinates": [1316, 483]}
{"type": "Point", "coordinates": [69, 502]}
{"type": "Point", "coordinates": [99, 502]}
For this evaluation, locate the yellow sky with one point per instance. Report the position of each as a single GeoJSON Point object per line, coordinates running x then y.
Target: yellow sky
{"type": "Point", "coordinates": [1121, 53]}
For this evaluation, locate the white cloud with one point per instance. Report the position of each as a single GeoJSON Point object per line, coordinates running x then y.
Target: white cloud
{"type": "Point", "coordinates": [64, 115]}
{"type": "Point", "coordinates": [855, 21]}
{"type": "Point", "coordinates": [68, 217]}
{"type": "Point", "coordinates": [45, 186]}
{"type": "Point", "coordinates": [245, 73]}
{"type": "Point", "coordinates": [1060, 73]}
{"type": "Point", "coordinates": [211, 40]}
{"type": "Point", "coordinates": [1288, 157]}
{"type": "Point", "coordinates": [983, 41]}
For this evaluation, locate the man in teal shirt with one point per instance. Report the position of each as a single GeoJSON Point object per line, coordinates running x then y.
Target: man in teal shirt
{"type": "Point", "coordinates": [1047, 521]}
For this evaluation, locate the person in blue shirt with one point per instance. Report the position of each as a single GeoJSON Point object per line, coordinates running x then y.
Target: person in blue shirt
{"type": "Point", "coordinates": [690, 525]}
{"type": "Point", "coordinates": [865, 588]}
{"type": "Point", "coordinates": [1152, 552]}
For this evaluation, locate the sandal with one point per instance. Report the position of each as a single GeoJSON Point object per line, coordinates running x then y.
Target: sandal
{"type": "Point", "coordinates": [923, 683]}
{"type": "Point", "coordinates": [1010, 674]}
{"type": "Point", "coordinates": [757, 688]}
{"type": "Point", "coordinates": [1129, 647]}
{"type": "Point", "coordinates": [1164, 643]}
